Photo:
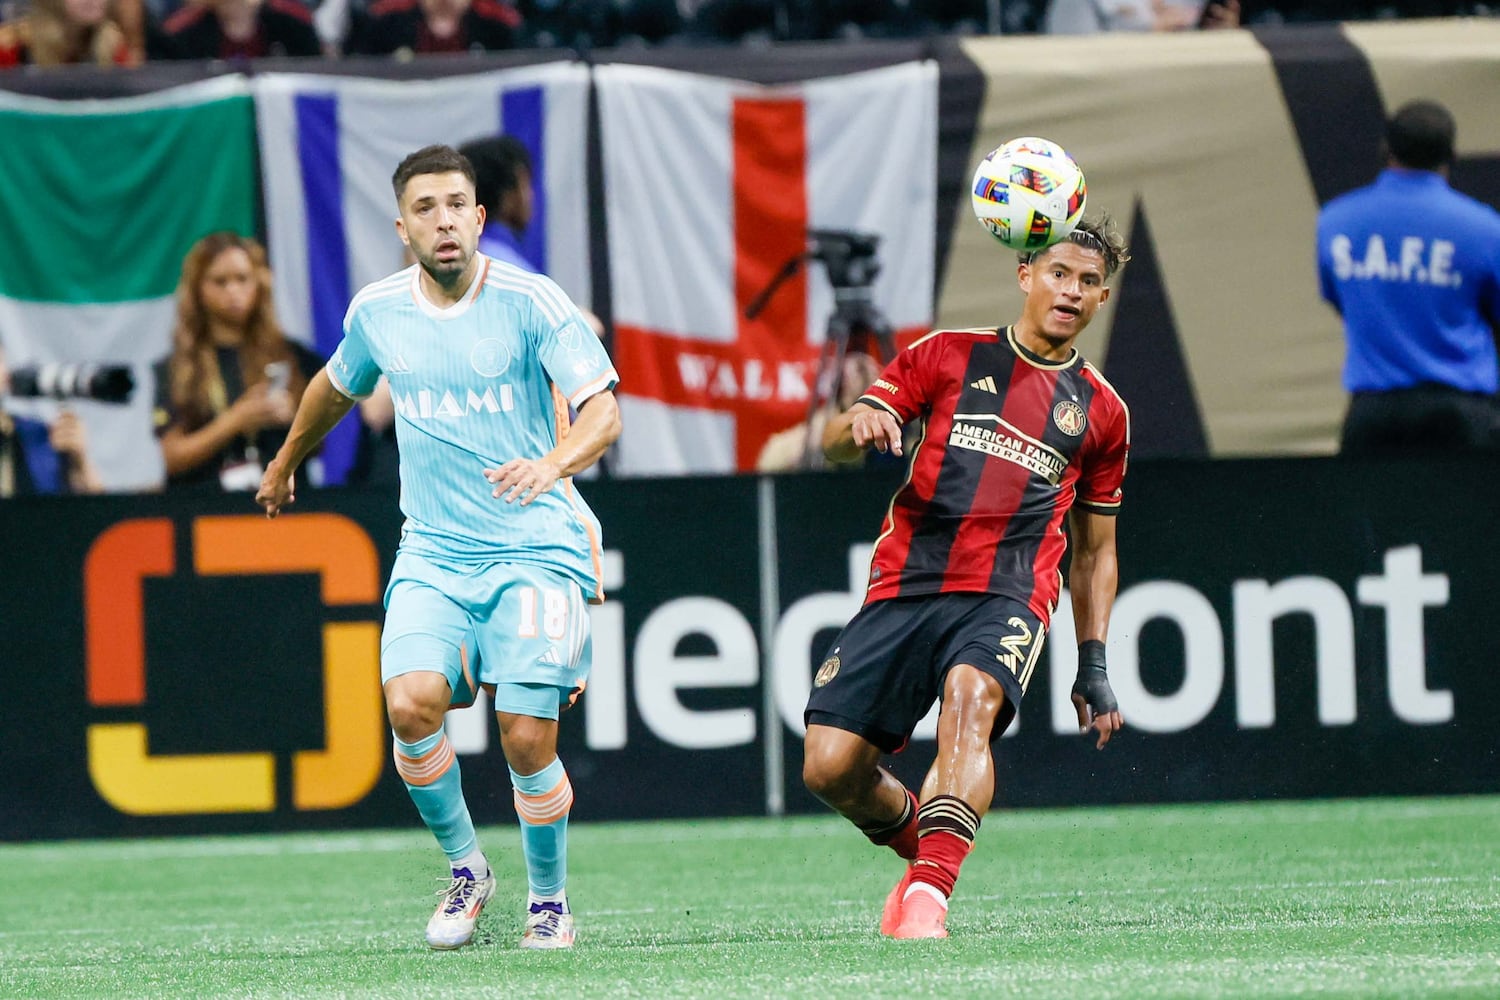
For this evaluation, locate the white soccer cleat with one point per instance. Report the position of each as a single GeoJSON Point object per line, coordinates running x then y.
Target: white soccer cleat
{"type": "Point", "coordinates": [452, 924]}
{"type": "Point", "coordinates": [548, 925]}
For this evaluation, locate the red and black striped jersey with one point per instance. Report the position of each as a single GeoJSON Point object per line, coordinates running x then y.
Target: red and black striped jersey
{"type": "Point", "coordinates": [1010, 443]}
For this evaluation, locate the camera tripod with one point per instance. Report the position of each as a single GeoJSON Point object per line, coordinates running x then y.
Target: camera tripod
{"type": "Point", "coordinates": [850, 261]}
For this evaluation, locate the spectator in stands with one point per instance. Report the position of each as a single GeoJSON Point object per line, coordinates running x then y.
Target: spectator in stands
{"type": "Point", "coordinates": [334, 20]}
{"type": "Point", "coordinates": [136, 22]}
{"type": "Point", "coordinates": [502, 183]}
{"type": "Point", "coordinates": [1413, 267]}
{"type": "Point", "coordinates": [789, 449]}
{"type": "Point", "coordinates": [751, 22]}
{"type": "Point", "coordinates": [423, 27]}
{"type": "Point", "coordinates": [1088, 17]}
{"type": "Point", "coordinates": [37, 457]}
{"type": "Point", "coordinates": [227, 392]}
{"type": "Point", "coordinates": [238, 29]}
{"type": "Point", "coordinates": [67, 32]}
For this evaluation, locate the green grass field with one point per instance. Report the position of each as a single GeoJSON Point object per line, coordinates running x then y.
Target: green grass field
{"type": "Point", "coordinates": [1371, 898]}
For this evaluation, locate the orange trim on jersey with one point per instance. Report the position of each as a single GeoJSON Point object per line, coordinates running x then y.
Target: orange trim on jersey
{"type": "Point", "coordinates": [601, 384]}
{"type": "Point", "coordinates": [596, 550]}
{"type": "Point", "coordinates": [415, 288]}
{"type": "Point", "coordinates": [479, 281]}
{"type": "Point", "coordinates": [564, 425]}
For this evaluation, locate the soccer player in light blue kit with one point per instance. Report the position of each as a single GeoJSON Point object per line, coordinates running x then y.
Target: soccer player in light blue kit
{"type": "Point", "coordinates": [498, 554]}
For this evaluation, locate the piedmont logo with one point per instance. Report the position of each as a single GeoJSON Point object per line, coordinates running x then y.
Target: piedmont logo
{"type": "Point", "coordinates": [125, 772]}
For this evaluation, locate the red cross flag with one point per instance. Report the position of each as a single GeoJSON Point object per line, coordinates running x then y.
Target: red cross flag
{"type": "Point", "coordinates": [711, 187]}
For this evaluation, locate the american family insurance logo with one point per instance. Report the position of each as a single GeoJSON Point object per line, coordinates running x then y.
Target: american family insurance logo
{"type": "Point", "coordinates": [121, 765]}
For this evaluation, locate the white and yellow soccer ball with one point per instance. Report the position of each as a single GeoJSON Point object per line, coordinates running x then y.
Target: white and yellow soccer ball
{"type": "Point", "coordinates": [1028, 193]}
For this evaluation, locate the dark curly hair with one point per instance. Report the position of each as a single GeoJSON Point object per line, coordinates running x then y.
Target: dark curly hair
{"type": "Point", "coordinates": [1097, 234]}
{"type": "Point", "coordinates": [498, 162]}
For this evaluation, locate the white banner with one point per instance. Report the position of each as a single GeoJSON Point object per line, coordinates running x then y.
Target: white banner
{"type": "Point", "coordinates": [711, 186]}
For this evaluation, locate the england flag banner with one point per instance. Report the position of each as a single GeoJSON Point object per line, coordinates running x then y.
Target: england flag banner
{"type": "Point", "coordinates": [328, 147]}
{"type": "Point", "coordinates": [711, 187]}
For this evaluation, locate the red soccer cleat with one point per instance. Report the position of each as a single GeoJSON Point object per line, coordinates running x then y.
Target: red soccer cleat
{"type": "Point", "coordinates": [890, 917]}
{"type": "Point", "coordinates": [922, 916]}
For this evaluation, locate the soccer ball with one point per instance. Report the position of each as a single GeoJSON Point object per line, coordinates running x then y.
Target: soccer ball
{"type": "Point", "coordinates": [1028, 193]}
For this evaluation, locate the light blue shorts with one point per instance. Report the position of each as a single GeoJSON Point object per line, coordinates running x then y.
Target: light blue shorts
{"type": "Point", "coordinates": [522, 630]}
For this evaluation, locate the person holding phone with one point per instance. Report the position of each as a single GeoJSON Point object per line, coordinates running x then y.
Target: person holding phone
{"type": "Point", "coordinates": [226, 394]}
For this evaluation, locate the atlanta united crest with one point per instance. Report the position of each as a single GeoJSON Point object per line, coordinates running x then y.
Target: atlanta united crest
{"type": "Point", "coordinates": [1069, 418]}
{"type": "Point", "coordinates": [826, 672]}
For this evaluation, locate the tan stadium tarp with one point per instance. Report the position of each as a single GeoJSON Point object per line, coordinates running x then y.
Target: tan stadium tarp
{"type": "Point", "coordinates": [1196, 129]}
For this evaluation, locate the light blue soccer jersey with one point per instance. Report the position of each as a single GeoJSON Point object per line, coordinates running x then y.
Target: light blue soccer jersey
{"type": "Point", "coordinates": [481, 382]}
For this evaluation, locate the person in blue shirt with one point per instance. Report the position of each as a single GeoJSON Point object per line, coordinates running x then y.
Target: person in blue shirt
{"type": "Point", "coordinates": [505, 184]}
{"type": "Point", "coordinates": [1413, 267]}
{"type": "Point", "coordinates": [499, 554]}
{"type": "Point", "coordinates": [502, 182]}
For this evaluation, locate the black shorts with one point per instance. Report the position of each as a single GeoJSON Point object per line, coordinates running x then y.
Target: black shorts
{"type": "Point", "coordinates": [1419, 420]}
{"type": "Point", "coordinates": [887, 666]}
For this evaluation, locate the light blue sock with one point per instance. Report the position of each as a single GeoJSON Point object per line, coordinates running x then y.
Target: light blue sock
{"type": "Point", "coordinates": [542, 803]}
{"type": "Point", "coordinates": [430, 769]}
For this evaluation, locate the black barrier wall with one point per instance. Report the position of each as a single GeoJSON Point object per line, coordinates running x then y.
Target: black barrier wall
{"type": "Point", "coordinates": [1284, 628]}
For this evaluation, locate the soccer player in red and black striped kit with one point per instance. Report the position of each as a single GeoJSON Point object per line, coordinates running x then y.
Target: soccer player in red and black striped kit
{"type": "Point", "coordinates": [1018, 432]}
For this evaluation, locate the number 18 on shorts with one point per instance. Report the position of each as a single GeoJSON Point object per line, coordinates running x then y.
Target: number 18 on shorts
{"type": "Point", "coordinates": [522, 628]}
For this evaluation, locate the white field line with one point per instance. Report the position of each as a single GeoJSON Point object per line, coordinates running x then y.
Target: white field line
{"type": "Point", "coordinates": [198, 930]}
{"type": "Point", "coordinates": [1240, 815]}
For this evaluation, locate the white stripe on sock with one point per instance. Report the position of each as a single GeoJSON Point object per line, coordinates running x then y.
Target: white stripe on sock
{"type": "Point", "coordinates": [928, 888]}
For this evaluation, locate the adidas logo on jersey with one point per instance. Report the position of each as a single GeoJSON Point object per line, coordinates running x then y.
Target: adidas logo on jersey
{"type": "Point", "coordinates": [551, 656]}
{"type": "Point", "coordinates": [987, 384]}
{"type": "Point", "coordinates": [398, 366]}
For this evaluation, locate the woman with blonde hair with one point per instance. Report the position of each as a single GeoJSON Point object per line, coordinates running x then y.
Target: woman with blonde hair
{"type": "Point", "coordinates": [68, 32]}
{"type": "Point", "coordinates": [227, 392]}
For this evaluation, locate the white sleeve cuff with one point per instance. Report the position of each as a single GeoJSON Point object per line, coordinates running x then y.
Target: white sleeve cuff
{"type": "Point", "coordinates": [603, 382]}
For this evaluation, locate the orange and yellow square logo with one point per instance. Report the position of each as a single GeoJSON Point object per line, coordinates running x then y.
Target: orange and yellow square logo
{"type": "Point", "coordinates": [121, 765]}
